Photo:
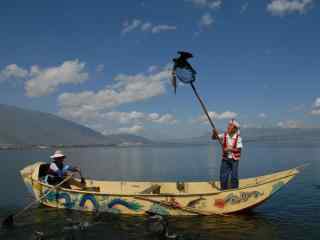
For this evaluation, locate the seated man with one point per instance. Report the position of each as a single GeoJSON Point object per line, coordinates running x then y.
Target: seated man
{"type": "Point", "coordinates": [58, 170]}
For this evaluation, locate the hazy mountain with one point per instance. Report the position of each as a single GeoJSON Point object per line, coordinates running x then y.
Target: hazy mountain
{"type": "Point", "coordinates": [23, 127]}
{"type": "Point", "coordinates": [264, 135]}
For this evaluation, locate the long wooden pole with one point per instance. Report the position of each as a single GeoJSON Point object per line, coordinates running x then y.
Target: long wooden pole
{"type": "Point", "coordinates": [9, 220]}
{"type": "Point", "coordinates": [204, 108]}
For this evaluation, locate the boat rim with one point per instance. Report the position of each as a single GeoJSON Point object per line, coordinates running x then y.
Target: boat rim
{"type": "Point", "coordinates": [295, 169]}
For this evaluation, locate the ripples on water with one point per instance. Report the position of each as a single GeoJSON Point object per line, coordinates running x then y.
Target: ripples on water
{"type": "Point", "coordinates": [291, 214]}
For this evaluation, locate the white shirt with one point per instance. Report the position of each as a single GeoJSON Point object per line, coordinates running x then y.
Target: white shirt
{"type": "Point", "coordinates": [230, 141]}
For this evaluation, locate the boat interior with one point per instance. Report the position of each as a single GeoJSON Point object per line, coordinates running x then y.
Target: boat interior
{"type": "Point", "coordinates": [149, 188]}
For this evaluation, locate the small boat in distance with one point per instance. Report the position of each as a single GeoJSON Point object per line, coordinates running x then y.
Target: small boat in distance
{"type": "Point", "coordinates": [163, 198]}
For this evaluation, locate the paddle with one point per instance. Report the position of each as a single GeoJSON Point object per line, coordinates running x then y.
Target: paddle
{"type": "Point", "coordinates": [9, 221]}
{"type": "Point", "coordinates": [183, 70]}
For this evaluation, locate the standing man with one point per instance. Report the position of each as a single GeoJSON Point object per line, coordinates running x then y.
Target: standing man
{"type": "Point", "coordinates": [231, 152]}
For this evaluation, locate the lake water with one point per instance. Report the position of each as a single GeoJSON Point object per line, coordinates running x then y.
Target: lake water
{"type": "Point", "coordinates": [293, 213]}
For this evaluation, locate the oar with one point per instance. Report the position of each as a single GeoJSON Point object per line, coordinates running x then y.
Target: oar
{"type": "Point", "coordinates": [8, 221]}
{"type": "Point", "coordinates": [205, 111]}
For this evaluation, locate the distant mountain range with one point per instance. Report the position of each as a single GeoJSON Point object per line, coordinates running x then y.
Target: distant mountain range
{"type": "Point", "coordinates": [263, 135]}
{"type": "Point", "coordinates": [26, 127]}
{"type": "Point", "coordinates": [23, 127]}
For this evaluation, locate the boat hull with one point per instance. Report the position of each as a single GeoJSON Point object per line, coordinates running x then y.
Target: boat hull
{"type": "Point", "coordinates": [207, 200]}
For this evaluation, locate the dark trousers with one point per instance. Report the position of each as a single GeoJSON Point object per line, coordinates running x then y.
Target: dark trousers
{"type": "Point", "coordinates": [229, 167]}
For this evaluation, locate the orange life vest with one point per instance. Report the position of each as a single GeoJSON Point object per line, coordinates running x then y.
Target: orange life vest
{"type": "Point", "coordinates": [236, 152]}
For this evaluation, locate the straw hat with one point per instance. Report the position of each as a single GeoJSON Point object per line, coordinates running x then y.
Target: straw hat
{"type": "Point", "coordinates": [57, 154]}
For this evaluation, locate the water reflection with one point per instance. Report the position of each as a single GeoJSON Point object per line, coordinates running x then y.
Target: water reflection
{"type": "Point", "coordinates": [61, 224]}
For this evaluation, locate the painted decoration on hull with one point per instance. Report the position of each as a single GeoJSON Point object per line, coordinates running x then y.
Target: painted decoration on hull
{"type": "Point", "coordinates": [132, 205]}
{"type": "Point", "coordinates": [60, 198]}
{"type": "Point", "coordinates": [234, 198]}
{"type": "Point", "coordinates": [91, 202]}
{"type": "Point", "coordinates": [276, 187]}
{"type": "Point", "coordinates": [158, 209]}
{"type": "Point", "coordinates": [91, 199]}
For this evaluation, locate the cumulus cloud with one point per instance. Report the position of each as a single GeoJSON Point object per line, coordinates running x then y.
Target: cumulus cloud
{"type": "Point", "coordinates": [316, 103]}
{"type": "Point", "coordinates": [97, 108]}
{"type": "Point", "coordinates": [139, 25]}
{"type": "Point", "coordinates": [43, 81]}
{"type": "Point", "coordinates": [262, 115]}
{"type": "Point", "coordinates": [14, 72]}
{"type": "Point", "coordinates": [125, 89]}
{"type": "Point", "coordinates": [212, 4]}
{"type": "Point", "coordinates": [285, 7]}
{"type": "Point", "coordinates": [206, 20]}
{"type": "Point", "coordinates": [140, 117]}
{"type": "Point", "coordinates": [47, 80]}
{"type": "Point", "coordinates": [131, 130]}
{"type": "Point", "coordinates": [215, 115]}
{"type": "Point", "coordinates": [290, 124]}
{"type": "Point", "coordinates": [316, 107]}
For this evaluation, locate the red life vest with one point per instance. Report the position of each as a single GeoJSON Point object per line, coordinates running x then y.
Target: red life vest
{"type": "Point", "coordinates": [236, 152]}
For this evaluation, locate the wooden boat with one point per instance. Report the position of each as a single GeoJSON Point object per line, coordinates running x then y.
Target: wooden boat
{"type": "Point", "coordinates": [165, 198]}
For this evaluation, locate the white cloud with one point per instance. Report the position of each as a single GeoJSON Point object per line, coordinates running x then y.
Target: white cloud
{"type": "Point", "coordinates": [316, 107]}
{"type": "Point", "coordinates": [47, 80]}
{"type": "Point", "coordinates": [212, 4]}
{"type": "Point", "coordinates": [290, 124]}
{"type": "Point", "coordinates": [215, 4]}
{"type": "Point", "coordinates": [97, 109]}
{"type": "Point", "coordinates": [164, 119]}
{"type": "Point", "coordinates": [285, 7]}
{"type": "Point", "coordinates": [244, 7]}
{"type": "Point", "coordinates": [131, 130]}
{"type": "Point", "coordinates": [137, 24]}
{"type": "Point", "coordinates": [139, 117]}
{"type": "Point", "coordinates": [43, 81]}
{"type": "Point", "coordinates": [153, 68]}
{"type": "Point", "coordinates": [163, 28]}
{"type": "Point", "coordinates": [215, 115]}
{"type": "Point", "coordinates": [13, 71]}
{"type": "Point", "coordinates": [129, 27]}
{"type": "Point", "coordinates": [315, 111]}
{"type": "Point", "coordinates": [100, 68]}
{"type": "Point", "coordinates": [262, 115]}
{"type": "Point", "coordinates": [206, 20]}
{"type": "Point", "coordinates": [126, 89]}
{"type": "Point", "coordinates": [316, 103]}
{"type": "Point", "coordinates": [146, 26]}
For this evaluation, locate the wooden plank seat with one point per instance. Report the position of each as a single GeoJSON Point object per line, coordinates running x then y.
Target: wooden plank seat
{"type": "Point", "coordinates": [153, 189]}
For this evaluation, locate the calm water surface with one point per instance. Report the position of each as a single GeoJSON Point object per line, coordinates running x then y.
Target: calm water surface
{"type": "Point", "coordinates": [293, 213]}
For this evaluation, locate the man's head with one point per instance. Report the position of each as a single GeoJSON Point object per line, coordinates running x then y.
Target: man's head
{"type": "Point", "coordinates": [233, 127]}
{"type": "Point", "coordinates": [58, 156]}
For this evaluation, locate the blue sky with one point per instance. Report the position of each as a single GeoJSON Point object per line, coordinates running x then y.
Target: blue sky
{"type": "Point", "coordinates": [105, 64]}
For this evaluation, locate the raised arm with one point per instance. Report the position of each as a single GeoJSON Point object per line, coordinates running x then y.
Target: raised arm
{"type": "Point", "coordinates": [215, 134]}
